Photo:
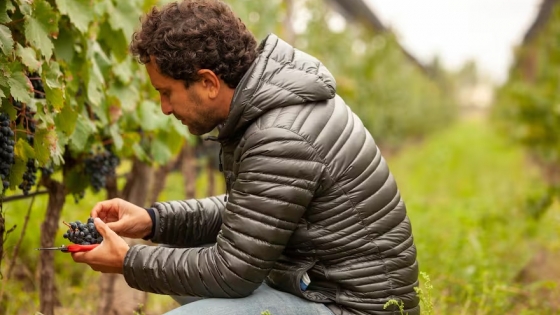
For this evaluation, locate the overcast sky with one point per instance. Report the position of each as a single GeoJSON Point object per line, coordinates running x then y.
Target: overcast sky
{"type": "Point", "coordinates": [458, 30]}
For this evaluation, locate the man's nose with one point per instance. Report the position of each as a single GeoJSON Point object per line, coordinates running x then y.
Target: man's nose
{"type": "Point", "coordinates": [166, 107]}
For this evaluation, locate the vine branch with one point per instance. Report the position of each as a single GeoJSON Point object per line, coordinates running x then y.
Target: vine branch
{"type": "Point", "coordinates": [20, 197]}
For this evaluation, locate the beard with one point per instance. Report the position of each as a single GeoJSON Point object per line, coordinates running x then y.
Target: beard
{"type": "Point", "coordinates": [206, 117]}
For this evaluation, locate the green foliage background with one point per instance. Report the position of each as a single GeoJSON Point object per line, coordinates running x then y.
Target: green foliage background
{"type": "Point", "coordinates": [528, 104]}
{"type": "Point", "coordinates": [465, 186]}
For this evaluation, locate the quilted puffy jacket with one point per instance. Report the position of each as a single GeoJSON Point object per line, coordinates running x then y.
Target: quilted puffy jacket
{"type": "Point", "coordinates": [307, 191]}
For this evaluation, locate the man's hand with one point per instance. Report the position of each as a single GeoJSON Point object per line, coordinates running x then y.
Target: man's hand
{"type": "Point", "coordinates": [123, 217]}
{"type": "Point", "coordinates": [108, 257]}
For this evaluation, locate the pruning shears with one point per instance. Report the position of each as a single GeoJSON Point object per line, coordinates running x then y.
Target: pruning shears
{"type": "Point", "coordinates": [74, 248]}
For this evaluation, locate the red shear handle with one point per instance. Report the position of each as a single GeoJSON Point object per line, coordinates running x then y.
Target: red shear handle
{"type": "Point", "coordinates": [74, 248]}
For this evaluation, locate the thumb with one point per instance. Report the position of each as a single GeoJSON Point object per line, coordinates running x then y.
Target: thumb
{"type": "Point", "coordinates": [116, 226]}
{"type": "Point", "coordinates": [102, 228]}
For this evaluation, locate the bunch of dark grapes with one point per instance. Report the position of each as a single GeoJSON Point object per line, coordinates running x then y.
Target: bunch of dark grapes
{"type": "Point", "coordinates": [83, 233]}
{"type": "Point", "coordinates": [37, 83]}
{"type": "Point", "coordinates": [47, 170]}
{"type": "Point", "coordinates": [25, 118]}
{"type": "Point", "coordinates": [6, 149]}
{"type": "Point", "coordinates": [99, 166]}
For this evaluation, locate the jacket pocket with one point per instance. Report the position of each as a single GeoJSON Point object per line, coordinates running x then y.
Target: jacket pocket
{"type": "Point", "coordinates": [287, 278]}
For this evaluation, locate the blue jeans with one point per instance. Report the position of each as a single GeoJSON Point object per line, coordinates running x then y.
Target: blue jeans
{"type": "Point", "coordinates": [264, 298]}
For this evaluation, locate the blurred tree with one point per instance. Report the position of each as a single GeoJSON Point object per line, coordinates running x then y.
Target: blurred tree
{"type": "Point", "coordinates": [527, 107]}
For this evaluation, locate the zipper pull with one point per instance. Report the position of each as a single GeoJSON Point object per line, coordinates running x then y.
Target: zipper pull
{"type": "Point", "coordinates": [220, 166]}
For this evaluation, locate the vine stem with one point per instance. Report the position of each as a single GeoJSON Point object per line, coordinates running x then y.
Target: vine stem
{"type": "Point", "coordinates": [18, 245]}
{"type": "Point", "coordinates": [19, 197]}
{"type": "Point", "coordinates": [12, 22]}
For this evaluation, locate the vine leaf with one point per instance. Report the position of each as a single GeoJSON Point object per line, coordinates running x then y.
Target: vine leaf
{"type": "Point", "coordinates": [150, 118]}
{"type": "Point", "coordinates": [23, 150]}
{"type": "Point", "coordinates": [53, 87]}
{"type": "Point", "coordinates": [40, 26]}
{"type": "Point", "coordinates": [159, 151]}
{"type": "Point", "coordinates": [84, 129]}
{"type": "Point", "coordinates": [28, 57]}
{"type": "Point", "coordinates": [5, 6]}
{"type": "Point", "coordinates": [78, 11]}
{"type": "Point", "coordinates": [117, 138]}
{"type": "Point", "coordinates": [66, 119]}
{"type": "Point", "coordinates": [96, 81]}
{"type": "Point", "coordinates": [125, 16]}
{"type": "Point", "coordinates": [6, 40]}
{"type": "Point", "coordinates": [47, 146]}
{"type": "Point", "coordinates": [16, 174]}
{"type": "Point", "coordinates": [19, 87]}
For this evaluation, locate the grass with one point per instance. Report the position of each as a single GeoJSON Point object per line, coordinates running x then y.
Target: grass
{"type": "Point", "coordinates": [466, 190]}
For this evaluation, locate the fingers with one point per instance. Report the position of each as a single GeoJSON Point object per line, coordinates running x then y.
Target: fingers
{"type": "Point", "coordinates": [103, 229]}
{"type": "Point", "coordinates": [107, 210]}
{"type": "Point", "coordinates": [78, 257]}
{"type": "Point", "coordinates": [117, 226]}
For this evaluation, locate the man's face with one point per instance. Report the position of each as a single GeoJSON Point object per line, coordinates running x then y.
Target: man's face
{"type": "Point", "coordinates": [189, 105]}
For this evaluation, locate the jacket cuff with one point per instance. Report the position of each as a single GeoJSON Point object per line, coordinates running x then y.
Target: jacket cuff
{"type": "Point", "coordinates": [152, 214]}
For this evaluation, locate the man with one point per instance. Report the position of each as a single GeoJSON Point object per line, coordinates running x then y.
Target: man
{"type": "Point", "coordinates": [312, 221]}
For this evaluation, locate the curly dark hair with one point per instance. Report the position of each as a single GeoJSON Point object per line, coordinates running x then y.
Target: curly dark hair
{"type": "Point", "coordinates": [187, 36]}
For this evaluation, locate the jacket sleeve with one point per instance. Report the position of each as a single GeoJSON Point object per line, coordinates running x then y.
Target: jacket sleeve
{"type": "Point", "coordinates": [278, 175]}
{"type": "Point", "coordinates": [188, 223]}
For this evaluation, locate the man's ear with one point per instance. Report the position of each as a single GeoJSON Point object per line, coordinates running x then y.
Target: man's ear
{"type": "Point", "coordinates": [209, 82]}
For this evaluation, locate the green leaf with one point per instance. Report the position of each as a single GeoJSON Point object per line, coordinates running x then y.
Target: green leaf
{"type": "Point", "coordinates": [84, 129]}
{"type": "Point", "coordinates": [125, 17]}
{"type": "Point", "coordinates": [140, 152]}
{"type": "Point", "coordinates": [95, 80]}
{"type": "Point", "coordinates": [79, 12]}
{"type": "Point", "coordinates": [40, 25]}
{"type": "Point", "coordinates": [127, 95]}
{"type": "Point", "coordinates": [66, 119]}
{"type": "Point", "coordinates": [54, 88]}
{"type": "Point", "coordinates": [44, 116]}
{"type": "Point", "coordinates": [16, 174]}
{"type": "Point", "coordinates": [42, 152]}
{"type": "Point", "coordinates": [23, 150]}
{"type": "Point", "coordinates": [8, 108]}
{"type": "Point", "coordinates": [124, 69]}
{"type": "Point", "coordinates": [28, 57]}
{"type": "Point", "coordinates": [64, 45]}
{"type": "Point", "coordinates": [129, 138]}
{"type": "Point", "coordinates": [46, 145]}
{"type": "Point", "coordinates": [5, 7]}
{"type": "Point", "coordinates": [6, 40]}
{"type": "Point", "coordinates": [159, 151]}
{"type": "Point", "coordinates": [113, 41]}
{"type": "Point", "coordinates": [151, 117]}
{"type": "Point", "coordinates": [19, 87]}
{"type": "Point", "coordinates": [117, 138]}
{"type": "Point", "coordinates": [172, 140]}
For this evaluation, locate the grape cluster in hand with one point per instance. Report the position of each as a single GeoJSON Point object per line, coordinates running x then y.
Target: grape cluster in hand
{"type": "Point", "coordinates": [83, 233]}
{"type": "Point", "coordinates": [6, 149]}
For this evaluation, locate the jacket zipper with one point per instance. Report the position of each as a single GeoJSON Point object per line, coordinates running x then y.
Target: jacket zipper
{"type": "Point", "coordinates": [220, 165]}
